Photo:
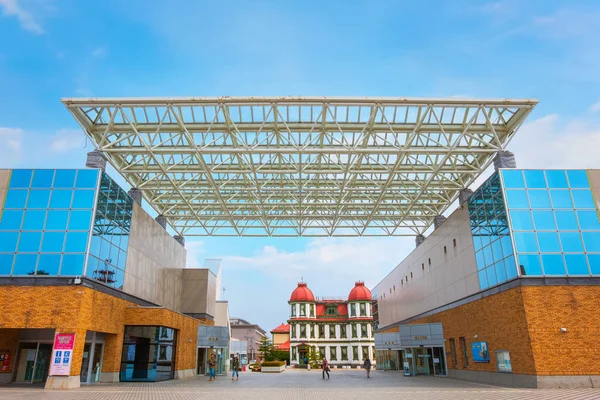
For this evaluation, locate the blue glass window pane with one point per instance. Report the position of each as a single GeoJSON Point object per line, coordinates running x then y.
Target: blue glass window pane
{"type": "Point", "coordinates": [53, 242]}
{"type": "Point", "coordinates": [476, 242]}
{"type": "Point", "coordinates": [64, 178]}
{"type": "Point", "coordinates": [491, 276]}
{"type": "Point", "coordinates": [548, 242]}
{"type": "Point", "coordinates": [61, 199]}
{"type": "Point", "coordinates": [539, 198]}
{"type": "Point", "coordinates": [42, 178]}
{"type": "Point", "coordinates": [6, 261]}
{"type": "Point", "coordinates": [92, 266]}
{"type": "Point", "coordinates": [521, 220]}
{"type": "Point", "coordinates": [497, 250]}
{"type": "Point", "coordinates": [87, 178]}
{"type": "Point", "coordinates": [561, 199]}
{"type": "Point", "coordinates": [594, 260]}
{"type": "Point", "coordinates": [578, 179]}
{"type": "Point", "coordinates": [38, 199]}
{"type": "Point", "coordinates": [48, 264]}
{"type": "Point", "coordinates": [76, 242]}
{"type": "Point", "coordinates": [510, 268]}
{"type": "Point", "coordinates": [535, 179]}
{"type": "Point", "coordinates": [83, 199]}
{"type": "Point", "coordinates": [588, 220]}
{"type": "Point", "coordinates": [105, 250]}
{"type": "Point", "coordinates": [95, 245]}
{"type": "Point", "coordinates": [487, 255]}
{"type": "Point", "coordinates": [583, 199]}
{"type": "Point", "coordinates": [20, 178]}
{"type": "Point", "coordinates": [119, 279]}
{"type": "Point", "coordinates": [557, 179]}
{"type": "Point", "coordinates": [513, 179]}
{"type": "Point", "coordinates": [507, 248]}
{"type": "Point", "coordinates": [480, 260]}
{"type": "Point", "coordinates": [80, 220]}
{"type": "Point", "coordinates": [517, 199]}
{"type": "Point", "coordinates": [530, 265]}
{"type": "Point", "coordinates": [500, 272]}
{"type": "Point", "coordinates": [566, 220]}
{"type": "Point", "coordinates": [25, 264]}
{"type": "Point", "coordinates": [124, 242]}
{"type": "Point", "coordinates": [15, 199]}
{"type": "Point", "coordinates": [483, 284]}
{"type": "Point", "coordinates": [57, 220]}
{"type": "Point", "coordinates": [122, 260]}
{"type": "Point", "coordinates": [11, 219]}
{"type": "Point", "coordinates": [525, 242]}
{"type": "Point", "coordinates": [30, 241]}
{"type": "Point", "coordinates": [576, 264]}
{"type": "Point", "coordinates": [553, 264]}
{"type": "Point", "coordinates": [543, 220]}
{"type": "Point", "coordinates": [72, 265]}
{"type": "Point", "coordinates": [571, 242]}
{"type": "Point", "coordinates": [8, 241]}
{"type": "Point", "coordinates": [34, 219]}
{"type": "Point", "coordinates": [592, 241]}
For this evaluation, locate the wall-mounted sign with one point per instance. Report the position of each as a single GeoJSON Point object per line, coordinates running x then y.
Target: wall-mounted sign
{"type": "Point", "coordinates": [421, 337]}
{"type": "Point", "coordinates": [5, 359]}
{"type": "Point", "coordinates": [480, 352]}
{"type": "Point", "coordinates": [406, 368]}
{"type": "Point", "coordinates": [62, 354]}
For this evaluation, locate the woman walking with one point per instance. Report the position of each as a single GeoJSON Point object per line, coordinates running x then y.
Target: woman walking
{"type": "Point", "coordinates": [325, 366]}
{"type": "Point", "coordinates": [212, 363]}
{"type": "Point", "coordinates": [235, 367]}
{"type": "Point", "coordinates": [367, 366]}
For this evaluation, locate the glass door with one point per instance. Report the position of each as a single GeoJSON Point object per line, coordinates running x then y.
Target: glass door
{"type": "Point", "coordinates": [85, 363]}
{"type": "Point", "coordinates": [42, 363]}
{"type": "Point", "coordinates": [439, 361]}
{"type": "Point", "coordinates": [422, 361]}
{"type": "Point", "coordinates": [26, 362]}
{"type": "Point", "coordinates": [408, 364]}
{"type": "Point", "coordinates": [97, 362]}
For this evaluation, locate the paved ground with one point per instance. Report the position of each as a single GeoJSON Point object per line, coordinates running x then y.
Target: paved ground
{"type": "Point", "coordinates": [300, 385]}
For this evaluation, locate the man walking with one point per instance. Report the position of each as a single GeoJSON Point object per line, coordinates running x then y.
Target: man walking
{"type": "Point", "coordinates": [212, 363]}
{"type": "Point", "coordinates": [325, 366]}
{"type": "Point", "coordinates": [235, 367]}
{"type": "Point", "coordinates": [367, 366]}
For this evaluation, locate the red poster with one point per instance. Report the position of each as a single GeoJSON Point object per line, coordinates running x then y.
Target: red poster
{"type": "Point", "coordinates": [62, 354]}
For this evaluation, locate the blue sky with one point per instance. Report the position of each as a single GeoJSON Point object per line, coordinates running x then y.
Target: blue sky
{"type": "Point", "coordinates": [541, 49]}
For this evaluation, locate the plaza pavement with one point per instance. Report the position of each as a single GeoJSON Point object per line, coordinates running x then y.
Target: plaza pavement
{"type": "Point", "coordinates": [300, 385]}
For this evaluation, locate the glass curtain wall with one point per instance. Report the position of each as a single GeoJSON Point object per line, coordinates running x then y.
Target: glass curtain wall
{"type": "Point", "coordinates": [148, 354]}
{"type": "Point", "coordinates": [554, 221]}
{"type": "Point", "coordinates": [491, 234]}
{"type": "Point", "coordinates": [46, 220]}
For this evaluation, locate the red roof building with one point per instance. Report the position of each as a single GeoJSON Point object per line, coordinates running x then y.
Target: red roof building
{"type": "Point", "coordinates": [281, 337]}
{"type": "Point", "coordinates": [340, 330]}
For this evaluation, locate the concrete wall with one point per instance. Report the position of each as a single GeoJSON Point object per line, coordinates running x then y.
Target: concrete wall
{"type": "Point", "coordinates": [155, 262]}
{"type": "Point", "coordinates": [451, 276]}
{"type": "Point", "coordinates": [594, 177]}
{"type": "Point", "coordinates": [198, 293]}
{"type": "Point", "coordinates": [4, 178]}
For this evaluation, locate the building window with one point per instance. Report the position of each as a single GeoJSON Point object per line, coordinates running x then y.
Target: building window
{"type": "Point", "coordinates": [355, 353]}
{"type": "Point", "coordinates": [429, 261]}
{"type": "Point", "coordinates": [354, 331]}
{"type": "Point", "coordinates": [321, 331]}
{"type": "Point", "coordinates": [463, 348]}
{"type": "Point", "coordinates": [331, 310]}
{"type": "Point", "coordinates": [303, 331]}
{"type": "Point", "coordinates": [365, 352]}
{"type": "Point", "coordinates": [364, 331]}
{"type": "Point", "coordinates": [353, 310]}
{"type": "Point", "coordinates": [311, 331]}
{"type": "Point", "coordinates": [453, 352]}
{"type": "Point", "coordinates": [332, 331]}
{"type": "Point", "coordinates": [454, 242]}
{"type": "Point", "coordinates": [423, 266]}
{"type": "Point", "coordinates": [445, 250]}
{"type": "Point", "coordinates": [332, 353]}
{"type": "Point", "coordinates": [303, 310]}
{"type": "Point", "coordinates": [322, 352]}
{"type": "Point", "coordinates": [293, 310]}
{"type": "Point", "coordinates": [411, 275]}
{"type": "Point", "coordinates": [503, 361]}
{"type": "Point", "coordinates": [312, 311]}
{"type": "Point", "coordinates": [343, 331]}
{"type": "Point", "coordinates": [363, 310]}
{"type": "Point", "coordinates": [294, 353]}
{"type": "Point", "coordinates": [344, 351]}
{"type": "Point", "coordinates": [292, 331]}
{"type": "Point", "coordinates": [394, 288]}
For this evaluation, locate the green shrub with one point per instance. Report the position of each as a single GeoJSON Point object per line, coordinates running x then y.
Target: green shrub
{"type": "Point", "coordinates": [273, 364]}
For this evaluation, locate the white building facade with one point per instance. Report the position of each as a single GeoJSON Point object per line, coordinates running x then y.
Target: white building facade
{"type": "Point", "coordinates": [340, 330]}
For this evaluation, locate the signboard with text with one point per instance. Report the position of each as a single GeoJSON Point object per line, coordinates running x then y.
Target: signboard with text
{"type": "Point", "coordinates": [62, 354]}
{"type": "Point", "coordinates": [480, 352]}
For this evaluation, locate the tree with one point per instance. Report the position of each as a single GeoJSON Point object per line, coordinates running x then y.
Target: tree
{"type": "Point", "coordinates": [314, 357]}
{"type": "Point", "coordinates": [265, 347]}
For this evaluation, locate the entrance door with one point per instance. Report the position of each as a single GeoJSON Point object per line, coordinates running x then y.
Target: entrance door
{"type": "Point", "coordinates": [422, 361]}
{"type": "Point", "coordinates": [97, 362]}
{"type": "Point", "coordinates": [439, 361]}
{"type": "Point", "coordinates": [201, 362]}
{"type": "Point", "coordinates": [34, 362]}
{"type": "Point", "coordinates": [85, 363]}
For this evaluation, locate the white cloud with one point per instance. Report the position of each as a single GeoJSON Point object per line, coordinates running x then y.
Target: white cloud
{"type": "Point", "coordinates": [66, 140]}
{"type": "Point", "coordinates": [10, 146]}
{"type": "Point", "coordinates": [99, 52]}
{"type": "Point", "coordinates": [195, 251]}
{"type": "Point", "coordinates": [26, 19]}
{"type": "Point", "coordinates": [595, 107]}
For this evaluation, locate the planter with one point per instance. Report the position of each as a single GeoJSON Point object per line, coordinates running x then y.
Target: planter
{"type": "Point", "coordinates": [273, 369]}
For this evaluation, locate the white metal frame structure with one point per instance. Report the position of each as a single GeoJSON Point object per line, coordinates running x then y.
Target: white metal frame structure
{"type": "Point", "coordinates": [299, 166]}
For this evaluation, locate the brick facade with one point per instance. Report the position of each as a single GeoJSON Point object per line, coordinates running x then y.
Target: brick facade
{"type": "Point", "coordinates": [78, 309]}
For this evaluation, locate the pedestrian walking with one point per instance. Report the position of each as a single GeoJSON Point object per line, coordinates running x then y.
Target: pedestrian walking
{"type": "Point", "coordinates": [367, 366]}
{"type": "Point", "coordinates": [212, 363]}
{"type": "Point", "coordinates": [235, 368]}
{"type": "Point", "coordinates": [325, 366]}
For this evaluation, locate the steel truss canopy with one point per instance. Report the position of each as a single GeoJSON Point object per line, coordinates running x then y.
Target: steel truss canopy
{"type": "Point", "coordinates": [300, 166]}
